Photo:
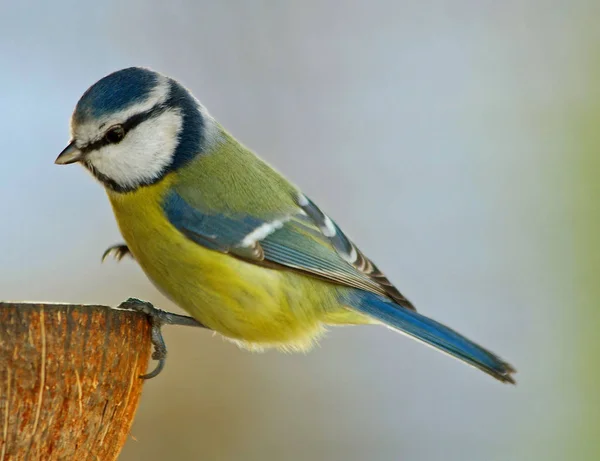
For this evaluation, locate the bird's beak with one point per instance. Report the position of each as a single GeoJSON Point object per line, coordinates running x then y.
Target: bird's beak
{"type": "Point", "coordinates": [70, 154]}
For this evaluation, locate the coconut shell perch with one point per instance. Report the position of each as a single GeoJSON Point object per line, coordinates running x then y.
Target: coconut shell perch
{"type": "Point", "coordinates": [69, 380]}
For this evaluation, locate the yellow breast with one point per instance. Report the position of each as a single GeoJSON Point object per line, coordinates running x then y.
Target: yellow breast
{"type": "Point", "coordinates": [256, 306]}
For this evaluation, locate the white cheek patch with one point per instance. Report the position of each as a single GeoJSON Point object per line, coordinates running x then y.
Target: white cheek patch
{"type": "Point", "coordinates": [143, 154]}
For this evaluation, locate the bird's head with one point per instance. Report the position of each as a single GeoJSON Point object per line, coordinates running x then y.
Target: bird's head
{"type": "Point", "coordinates": [134, 126]}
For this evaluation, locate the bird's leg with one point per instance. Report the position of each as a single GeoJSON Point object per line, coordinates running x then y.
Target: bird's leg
{"type": "Point", "coordinates": [117, 251]}
{"type": "Point", "coordinates": [158, 318]}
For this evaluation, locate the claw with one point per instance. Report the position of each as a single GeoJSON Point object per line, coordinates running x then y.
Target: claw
{"type": "Point", "coordinates": [160, 348]}
{"type": "Point", "coordinates": [117, 251]}
{"type": "Point", "coordinates": [157, 319]}
{"type": "Point", "coordinates": [157, 370]}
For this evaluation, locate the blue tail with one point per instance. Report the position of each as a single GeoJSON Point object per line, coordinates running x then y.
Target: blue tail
{"type": "Point", "coordinates": [433, 333]}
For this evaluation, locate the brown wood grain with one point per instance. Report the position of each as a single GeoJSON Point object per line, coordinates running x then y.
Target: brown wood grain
{"type": "Point", "coordinates": [69, 380]}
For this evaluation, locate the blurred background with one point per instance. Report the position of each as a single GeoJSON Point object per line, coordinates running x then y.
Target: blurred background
{"type": "Point", "coordinates": [477, 121]}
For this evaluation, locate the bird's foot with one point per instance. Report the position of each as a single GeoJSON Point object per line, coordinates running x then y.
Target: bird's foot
{"type": "Point", "coordinates": [158, 318]}
{"type": "Point", "coordinates": [117, 251]}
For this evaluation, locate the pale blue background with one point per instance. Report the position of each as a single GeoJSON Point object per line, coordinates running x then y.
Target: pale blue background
{"type": "Point", "coordinates": [431, 131]}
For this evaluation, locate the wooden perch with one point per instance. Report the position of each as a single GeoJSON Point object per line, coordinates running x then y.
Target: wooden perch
{"type": "Point", "coordinates": [69, 380]}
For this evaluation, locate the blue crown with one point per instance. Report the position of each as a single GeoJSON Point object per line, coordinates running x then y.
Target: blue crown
{"type": "Point", "coordinates": [115, 92]}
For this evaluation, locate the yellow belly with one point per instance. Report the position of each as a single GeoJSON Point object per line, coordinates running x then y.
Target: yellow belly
{"type": "Point", "coordinates": [255, 306]}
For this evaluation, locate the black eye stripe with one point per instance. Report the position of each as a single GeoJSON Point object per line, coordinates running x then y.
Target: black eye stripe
{"type": "Point", "coordinates": [128, 125]}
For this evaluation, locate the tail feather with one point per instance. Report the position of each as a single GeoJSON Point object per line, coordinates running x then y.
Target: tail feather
{"type": "Point", "coordinates": [435, 334]}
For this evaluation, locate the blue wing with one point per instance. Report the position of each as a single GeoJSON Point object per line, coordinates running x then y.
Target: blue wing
{"type": "Point", "coordinates": [303, 239]}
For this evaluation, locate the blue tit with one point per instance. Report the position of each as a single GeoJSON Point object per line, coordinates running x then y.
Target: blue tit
{"type": "Point", "coordinates": [225, 236]}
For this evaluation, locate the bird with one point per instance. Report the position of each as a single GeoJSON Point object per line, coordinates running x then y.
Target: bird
{"type": "Point", "coordinates": [224, 235]}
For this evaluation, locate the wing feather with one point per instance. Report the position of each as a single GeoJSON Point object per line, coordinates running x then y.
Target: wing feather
{"type": "Point", "coordinates": [304, 239]}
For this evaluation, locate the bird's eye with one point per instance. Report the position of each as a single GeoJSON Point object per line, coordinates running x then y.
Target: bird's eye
{"type": "Point", "coordinates": [115, 134]}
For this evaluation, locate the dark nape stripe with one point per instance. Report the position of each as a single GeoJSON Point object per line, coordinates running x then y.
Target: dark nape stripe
{"type": "Point", "coordinates": [191, 137]}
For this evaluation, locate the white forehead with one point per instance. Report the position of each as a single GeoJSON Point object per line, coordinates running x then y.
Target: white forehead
{"type": "Point", "coordinates": [90, 131]}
